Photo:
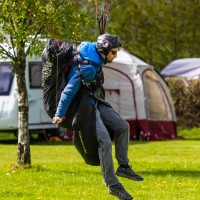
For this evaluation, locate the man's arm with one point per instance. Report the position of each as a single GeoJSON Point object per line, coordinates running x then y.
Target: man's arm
{"type": "Point", "coordinates": [67, 96]}
{"type": "Point", "coordinates": [88, 73]}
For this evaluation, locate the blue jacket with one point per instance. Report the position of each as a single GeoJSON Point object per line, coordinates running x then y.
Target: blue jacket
{"type": "Point", "coordinates": [87, 51]}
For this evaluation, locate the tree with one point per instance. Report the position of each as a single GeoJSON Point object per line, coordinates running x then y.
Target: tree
{"type": "Point", "coordinates": [24, 26]}
{"type": "Point", "coordinates": [158, 31]}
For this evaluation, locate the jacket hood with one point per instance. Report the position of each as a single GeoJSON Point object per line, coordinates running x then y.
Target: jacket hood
{"type": "Point", "coordinates": [87, 51]}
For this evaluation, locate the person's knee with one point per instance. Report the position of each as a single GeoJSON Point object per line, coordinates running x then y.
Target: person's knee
{"type": "Point", "coordinates": [105, 142]}
{"type": "Point", "coordinates": [124, 128]}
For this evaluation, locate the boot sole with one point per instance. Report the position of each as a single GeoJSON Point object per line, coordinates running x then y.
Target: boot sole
{"type": "Point", "coordinates": [118, 197]}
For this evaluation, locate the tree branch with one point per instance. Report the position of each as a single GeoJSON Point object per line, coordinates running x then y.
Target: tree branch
{"type": "Point", "coordinates": [13, 45]}
{"type": "Point", "coordinates": [6, 53]}
{"type": "Point", "coordinates": [31, 42]}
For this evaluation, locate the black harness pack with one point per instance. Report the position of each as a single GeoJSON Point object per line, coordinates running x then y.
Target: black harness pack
{"type": "Point", "coordinates": [80, 118]}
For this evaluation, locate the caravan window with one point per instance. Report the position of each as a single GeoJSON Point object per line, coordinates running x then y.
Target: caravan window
{"type": "Point", "coordinates": [35, 74]}
{"type": "Point", "coordinates": [6, 78]}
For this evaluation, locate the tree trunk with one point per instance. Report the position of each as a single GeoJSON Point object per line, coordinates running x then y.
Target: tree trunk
{"type": "Point", "coordinates": [23, 131]}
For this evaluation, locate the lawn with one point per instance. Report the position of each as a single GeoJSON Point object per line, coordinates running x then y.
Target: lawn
{"type": "Point", "coordinates": [171, 170]}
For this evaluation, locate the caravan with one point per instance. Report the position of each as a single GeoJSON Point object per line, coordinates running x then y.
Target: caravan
{"type": "Point", "coordinates": [38, 118]}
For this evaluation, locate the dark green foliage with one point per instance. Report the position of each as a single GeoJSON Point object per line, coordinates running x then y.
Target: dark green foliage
{"type": "Point", "coordinates": [186, 96]}
{"type": "Point", "coordinates": [158, 31]}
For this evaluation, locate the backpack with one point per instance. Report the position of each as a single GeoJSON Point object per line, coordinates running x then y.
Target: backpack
{"type": "Point", "coordinates": [57, 58]}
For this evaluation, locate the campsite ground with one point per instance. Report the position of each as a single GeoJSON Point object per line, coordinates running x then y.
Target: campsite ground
{"type": "Point", "coordinates": [171, 170]}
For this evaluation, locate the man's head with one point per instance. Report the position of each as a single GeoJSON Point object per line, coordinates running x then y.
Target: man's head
{"type": "Point", "coordinates": [108, 45]}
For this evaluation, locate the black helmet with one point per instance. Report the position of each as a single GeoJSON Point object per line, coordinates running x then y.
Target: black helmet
{"type": "Point", "coordinates": [106, 42]}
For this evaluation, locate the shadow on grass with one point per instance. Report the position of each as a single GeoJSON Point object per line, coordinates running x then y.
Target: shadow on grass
{"type": "Point", "coordinates": [87, 170]}
{"type": "Point", "coordinates": [38, 142]}
{"type": "Point", "coordinates": [13, 141]}
{"type": "Point", "coordinates": [76, 169]}
{"type": "Point", "coordinates": [35, 139]}
{"type": "Point", "coordinates": [173, 172]}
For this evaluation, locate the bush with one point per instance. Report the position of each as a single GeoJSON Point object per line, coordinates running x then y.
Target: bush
{"type": "Point", "coordinates": [186, 96]}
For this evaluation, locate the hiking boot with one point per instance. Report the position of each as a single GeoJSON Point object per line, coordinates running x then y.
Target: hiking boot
{"type": "Point", "coordinates": [128, 173]}
{"type": "Point", "coordinates": [119, 191]}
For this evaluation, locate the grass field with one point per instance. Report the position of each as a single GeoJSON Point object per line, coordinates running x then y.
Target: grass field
{"type": "Point", "coordinates": [171, 170]}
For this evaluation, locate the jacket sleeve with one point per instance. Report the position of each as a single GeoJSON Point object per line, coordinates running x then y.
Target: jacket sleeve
{"type": "Point", "coordinates": [68, 94]}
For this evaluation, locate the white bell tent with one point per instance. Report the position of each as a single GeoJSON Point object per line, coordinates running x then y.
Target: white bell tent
{"type": "Point", "coordinates": [140, 95]}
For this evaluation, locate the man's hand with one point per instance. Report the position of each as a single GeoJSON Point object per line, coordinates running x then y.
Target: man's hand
{"type": "Point", "coordinates": [57, 120]}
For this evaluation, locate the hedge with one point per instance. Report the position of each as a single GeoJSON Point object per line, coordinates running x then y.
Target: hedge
{"type": "Point", "coordinates": [186, 96]}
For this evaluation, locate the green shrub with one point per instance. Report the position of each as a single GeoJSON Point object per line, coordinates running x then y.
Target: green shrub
{"type": "Point", "coordinates": [186, 96]}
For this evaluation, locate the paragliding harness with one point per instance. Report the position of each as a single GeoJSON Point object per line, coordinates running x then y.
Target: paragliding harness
{"type": "Point", "coordinates": [57, 58]}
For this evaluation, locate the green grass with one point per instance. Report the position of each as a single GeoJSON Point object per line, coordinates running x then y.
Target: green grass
{"type": "Point", "coordinates": [171, 170]}
{"type": "Point", "coordinates": [190, 134]}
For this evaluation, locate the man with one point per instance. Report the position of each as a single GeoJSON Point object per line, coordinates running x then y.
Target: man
{"type": "Point", "coordinates": [98, 54]}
